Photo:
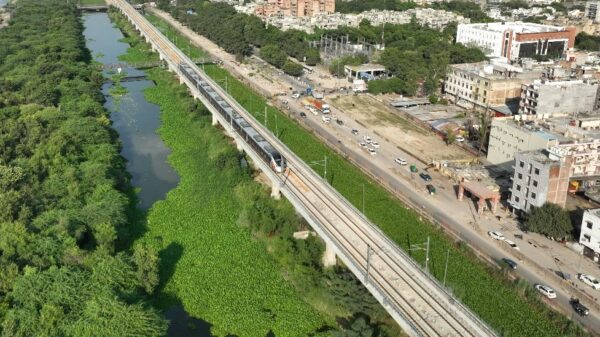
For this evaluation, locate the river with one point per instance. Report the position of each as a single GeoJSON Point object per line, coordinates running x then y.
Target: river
{"type": "Point", "coordinates": [136, 122]}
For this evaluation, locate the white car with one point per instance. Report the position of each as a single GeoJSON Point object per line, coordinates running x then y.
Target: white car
{"type": "Point", "coordinates": [496, 235]}
{"type": "Point", "coordinates": [372, 151]}
{"type": "Point", "coordinates": [363, 145]}
{"type": "Point", "coordinates": [460, 139]}
{"type": "Point", "coordinates": [512, 244]}
{"type": "Point", "coordinates": [367, 139]}
{"type": "Point", "coordinates": [590, 281]}
{"type": "Point", "coordinates": [375, 144]}
{"type": "Point", "coordinates": [326, 119]}
{"type": "Point", "coordinates": [545, 290]}
{"type": "Point", "coordinates": [400, 161]}
{"type": "Point", "coordinates": [296, 95]}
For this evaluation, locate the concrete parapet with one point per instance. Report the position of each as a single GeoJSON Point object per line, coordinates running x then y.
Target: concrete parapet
{"type": "Point", "coordinates": [329, 258]}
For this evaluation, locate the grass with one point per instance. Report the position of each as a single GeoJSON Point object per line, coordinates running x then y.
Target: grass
{"type": "Point", "coordinates": [485, 290]}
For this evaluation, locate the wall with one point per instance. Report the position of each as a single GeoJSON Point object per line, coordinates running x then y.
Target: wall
{"type": "Point", "coordinates": [566, 99]}
{"type": "Point", "coordinates": [590, 216]}
{"type": "Point", "coordinates": [506, 139]}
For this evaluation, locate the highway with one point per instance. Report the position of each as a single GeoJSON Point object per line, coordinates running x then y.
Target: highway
{"type": "Point", "coordinates": [419, 304]}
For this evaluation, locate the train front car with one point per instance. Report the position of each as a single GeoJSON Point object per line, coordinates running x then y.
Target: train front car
{"type": "Point", "coordinates": [277, 161]}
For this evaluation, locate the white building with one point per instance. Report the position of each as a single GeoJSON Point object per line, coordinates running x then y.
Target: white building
{"type": "Point", "coordinates": [515, 40]}
{"type": "Point", "coordinates": [590, 233]}
{"type": "Point", "coordinates": [591, 11]}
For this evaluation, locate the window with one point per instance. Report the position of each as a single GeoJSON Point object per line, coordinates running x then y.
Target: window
{"type": "Point", "coordinates": [589, 224]}
{"type": "Point", "coordinates": [520, 176]}
{"type": "Point", "coordinates": [537, 171]}
{"type": "Point", "coordinates": [516, 199]}
{"type": "Point", "coordinates": [518, 187]}
{"type": "Point", "coordinates": [521, 163]}
{"type": "Point", "coordinates": [533, 195]}
{"type": "Point", "coordinates": [586, 238]}
{"type": "Point", "coordinates": [535, 183]}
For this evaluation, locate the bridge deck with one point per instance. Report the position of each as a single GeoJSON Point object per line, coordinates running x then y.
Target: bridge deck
{"type": "Point", "coordinates": [420, 305]}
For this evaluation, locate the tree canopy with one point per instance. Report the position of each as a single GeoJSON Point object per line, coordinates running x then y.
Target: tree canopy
{"type": "Point", "coordinates": [468, 9]}
{"type": "Point", "coordinates": [62, 200]}
{"type": "Point", "coordinates": [549, 219]}
{"type": "Point", "coordinates": [587, 42]}
{"type": "Point", "coordinates": [357, 6]}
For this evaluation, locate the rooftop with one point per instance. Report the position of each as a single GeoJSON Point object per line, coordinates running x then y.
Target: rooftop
{"type": "Point", "coordinates": [539, 156]}
{"type": "Point", "coordinates": [517, 27]}
{"type": "Point", "coordinates": [366, 67]}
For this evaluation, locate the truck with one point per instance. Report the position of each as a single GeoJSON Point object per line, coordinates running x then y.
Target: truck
{"type": "Point", "coordinates": [316, 104]}
{"type": "Point", "coordinates": [359, 86]}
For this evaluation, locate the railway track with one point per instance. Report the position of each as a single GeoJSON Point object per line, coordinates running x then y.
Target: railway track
{"type": "Point", "coordinates": [413, 297]}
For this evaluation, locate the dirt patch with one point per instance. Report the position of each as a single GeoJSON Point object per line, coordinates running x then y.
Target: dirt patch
{"type": "Point", "coordinates": [405, 134]}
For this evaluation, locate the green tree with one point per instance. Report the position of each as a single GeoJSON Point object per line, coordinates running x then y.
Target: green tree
{"type": "Point", "coordinates": [312, 56]}
{"type": "Point", "coordinates": [450, 136]}
{"type": "Point", "coordinates": [292, 68]}
{"type": "Point", "coordinates": [272, 54]}
{"type": "Point", "coordinates": [549, 219]}
{"type": "Point", "coordinates": [146, 262]}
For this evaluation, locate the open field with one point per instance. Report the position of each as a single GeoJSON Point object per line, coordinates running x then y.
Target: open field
{"type": "Point", "coordinates": [510, 308]}
{"type": "Point", "coordinates": [379, 117]}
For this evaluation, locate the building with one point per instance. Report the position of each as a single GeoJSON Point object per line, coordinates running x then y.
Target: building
{"type": "Point", "coordinates": [484, 84]}
{"type": "Point", "coordinates": [298, 8]}
{"type": "Point", "coordinates": [539, 177]}
{"type": "Point", "coordinates": [509, 137]}
{"type": "Point", "coordinates": [515, 40]}
{"type": "Point", "coordinates": [589, 236]}
{"type": "Point", "coordinates": [547, 98]}
{"type": "Point", "coordinates": [365, 72]}
{"type": "Point", "coordinates": [591, 11]}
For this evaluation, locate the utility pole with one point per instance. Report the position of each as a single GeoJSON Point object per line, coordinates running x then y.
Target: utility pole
{"type": "Point", "coordinates": [446, 268]}
{"type": "Point", "coordinates": [427, 255]}
{"type": "Point", "coordinates": [419, 246]}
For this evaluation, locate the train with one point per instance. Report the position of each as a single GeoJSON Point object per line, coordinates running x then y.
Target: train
{"type": "Point", "coordinates": [241, 126]}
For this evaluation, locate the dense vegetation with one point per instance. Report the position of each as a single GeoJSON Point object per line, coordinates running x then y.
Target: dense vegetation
{"type": "Point", "coordinates": [238, 230]}
{"type": "Point", "coordinates": [357, 6]}
{"type": "Point", "coordinates": [587, 42]}
{"type": "Point", "coordinates": [239, 33]}
{"type": "Point", "coordinates": [468, 9]}
{"type": "Point", "coordinates": [416, 56]}
{"type": "Point", "coordinates": [63, 206]}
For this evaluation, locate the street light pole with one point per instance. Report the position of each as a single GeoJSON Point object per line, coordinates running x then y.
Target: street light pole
{"type": "Point", "coordinates": [446, 268]}
{"type": "Point", "coordinates": [427, 254]}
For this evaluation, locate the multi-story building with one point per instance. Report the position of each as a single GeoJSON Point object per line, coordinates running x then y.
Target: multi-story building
{"type": "Point", "coordinates": [589, 236]}
{"type": "Point", "coordinates": [483, 84]}
{"type": "Point", "coordinates": [539, 177]}
{"type": "Point", "coordinates": [515, 40]}
{"type": "Point", "coordinates": [298, 8]}
{"type": "Point", "coordinates": [509, 136]}
{"type": "Point", "coordinates": [591, 10]}
{"type": "Point", "coordinates": [547, 98]}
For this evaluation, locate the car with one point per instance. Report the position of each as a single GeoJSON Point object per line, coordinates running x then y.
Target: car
{"type": "Point", "coordinates": [367, 139]}
{"type": "Point", "coordinates": [326, 119]}
{"type": "Point", "coordinates": [425, 176]}
{"type": "Point", "coordinates": [339, 121]}
{"type": "Point", "coordinates": [512, 244]}
{"type": "Point", "coordinates": [589, 280]}
{"type": "Point", "coordinates": [579, 308]}
{"type": "Point", "coordinates": [430, 189]}
{"type": "Point", "coordinates": [400, 161]}
{"type": "Point", "coordinates": [363, 144]}
{"type": "Point", "coordinates": [545, 290]}
{"type": "Point", "coordinates": [496, 235]}
{"type": "Point", "coordinates": [307, 107]}
{"type": "Point", "coordinates": [354, 132]}
{"type": "Point", "coordinates": [375, 144]}
{"type": "Point", "coordinates": [372, 151]}
{"type": "Point", "coordinates": [302, 114]}
{"type": "Point", "coordinates": [460, 139]}
{"type": "Point", "coordinates": [413, 168]}
{"type": "Point", "coordinates": [510, 263]}
{"type": "Point", "coordinates": [296, 96]}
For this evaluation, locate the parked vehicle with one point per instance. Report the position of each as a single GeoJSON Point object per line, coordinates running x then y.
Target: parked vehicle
{"type": "Point", "coordinates": [339, 122]}
{"type": "Point", "coordinates": [375, 144]}
{"type": "Point", "coordinates": [326, 119]}
{"type": "Point", "coordinates": [460, 139]}
{"type": "Point", "coordinates": [589, 280]}
{"type": "Point", "coordinates": [295, 95]}
{"type": "Point", "coordinates": [425, 176]}
{"type": "Point", "coordinates": [372, 151]}
{"type": "Point", "coordinates": [367, 139]}
{"type": "Point", "coordinates": [579, 308]}
{"type": "Point", "coordinates": [430, 189]}
{"type": "Point", "coordinates": [496, 235]}
{"type": "Point", "coordinates": [545, 290]}
{"type": "Point", "coordinates": [302, 114]}
{"type": "Point", "coordinates": [413, 168]}
{"type": "Point", "coordinates": [512, 244]}
{"type": "Point", "coordinates": [400, 161]}
{"type": "Point", "coordinates": [354, 132]}
{"type": "Point", "coordinates": [512, 264]}
{"type": "Point", "coordinates": [363, 144]}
